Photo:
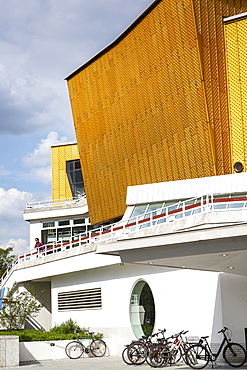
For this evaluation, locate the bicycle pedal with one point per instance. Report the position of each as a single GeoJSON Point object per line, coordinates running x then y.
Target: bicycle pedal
{"type": "Point", "coordinates": [87, 350]}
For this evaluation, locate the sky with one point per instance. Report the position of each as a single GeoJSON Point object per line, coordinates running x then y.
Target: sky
{"type": "Point", "coordinates": [41, 43]}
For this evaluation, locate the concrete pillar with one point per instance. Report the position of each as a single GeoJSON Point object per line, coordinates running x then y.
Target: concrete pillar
{"type": "Point", "coordinates": [9, 350]}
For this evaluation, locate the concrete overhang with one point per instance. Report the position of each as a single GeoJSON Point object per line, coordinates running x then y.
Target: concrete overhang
{"type": "Point", "coordinates": [58, 211]}
{"type": "Point", "coordinates": [210, 241]}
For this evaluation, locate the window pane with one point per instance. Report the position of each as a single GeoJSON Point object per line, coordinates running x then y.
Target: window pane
{"type": "Point", "coordinates": [77, 164]}
{"type": "Point", "coordinates": [79, 221]}
{"type": "Point", "coordinates": [64, 233]}
{"type": "Point", "coordinates": [154, 206]}
{"type": "Point", "coordinates": [78, 176]}
{"type": "Point", "coordinates": [79, 230]}
{"type": "Point", "coordinates": [142, 309]}
{"type": "Point", "coordinates": [48, 224]}
{"type": "Point", "coordinates": [138, 210]}
{"type": "Point", "coordinates": [63, 223]}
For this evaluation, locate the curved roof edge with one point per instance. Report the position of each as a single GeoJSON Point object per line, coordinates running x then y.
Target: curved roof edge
{"type": "Point", "coordinates": [117, 40]}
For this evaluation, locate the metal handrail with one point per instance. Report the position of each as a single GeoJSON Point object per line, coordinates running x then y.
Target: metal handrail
{"type": "Point", "coordinates": [54, 203]}
{"type": "Point", "coordinates": [184, 209]}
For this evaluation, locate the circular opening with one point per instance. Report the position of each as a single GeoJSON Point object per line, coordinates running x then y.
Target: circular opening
{"type": "Point", "coordinates": [238, 167]}
{"type": "Point", "coordinates": [142, 309]}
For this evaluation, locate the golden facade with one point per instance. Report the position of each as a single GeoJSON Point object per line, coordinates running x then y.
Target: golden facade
{"type": "Point", "coordinates": [60, 184]}
{"type": "Point", "coordinates": [236, 52]}
{"type": "Point", "coordinates": [153, 106]}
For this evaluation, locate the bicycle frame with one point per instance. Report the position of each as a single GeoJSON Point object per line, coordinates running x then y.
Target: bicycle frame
{"type": "Point", "coordinates": [86, 348]}
{"type": "Point", "coordinates": [214, 356]}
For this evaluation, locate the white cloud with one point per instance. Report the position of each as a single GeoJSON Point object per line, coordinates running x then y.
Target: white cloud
{"type": "Point", "coordinates": [14, 230]}
{"type": "Point", "coordinates": [41, 156]}
{"type": "Point", "coordinates": [12, 204]}
{"type": "Point", "coordinates": [40, 159]}
{"type": "Point", "coordinates": [19, 245]}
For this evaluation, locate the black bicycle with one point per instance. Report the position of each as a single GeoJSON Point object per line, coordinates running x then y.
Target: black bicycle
{"type": "Point", "coordinates": [76, 348]}
{"type": "Point", "coordinates": [199, 355]}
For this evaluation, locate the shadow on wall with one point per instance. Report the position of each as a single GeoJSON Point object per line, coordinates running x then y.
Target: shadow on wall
{"type": "Point", "coordinates": [230, 308]}
{"type": "Point", "coordinates": [43, 291]}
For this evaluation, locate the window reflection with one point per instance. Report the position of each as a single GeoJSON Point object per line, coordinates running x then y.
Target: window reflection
{"type": "Point", "coordinates": [142, 309]}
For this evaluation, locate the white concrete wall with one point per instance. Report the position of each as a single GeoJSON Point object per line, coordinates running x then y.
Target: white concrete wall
{"type": "Point", "coordinates": [234, 304]}
{"type": "Point", "coordinates": [53, 350]}
{"type": "Point", "coordinates": [35, 232]}
{"type": "Point", "coordinates": [186, 189]}
{"type": "Point", "coordinates": [184, 299]}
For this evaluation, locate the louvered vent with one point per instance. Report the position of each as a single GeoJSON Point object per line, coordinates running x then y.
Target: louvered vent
{"type": "Point", "coordinates": [80, 299]}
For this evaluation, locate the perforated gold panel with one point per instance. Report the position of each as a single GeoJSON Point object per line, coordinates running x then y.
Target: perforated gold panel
{"type": "Point", "coordinates": [237, 79]}
{"type": "Point", "coordinates": [153, 106]}
{"type": "Point", "coordinates": [60, 183]}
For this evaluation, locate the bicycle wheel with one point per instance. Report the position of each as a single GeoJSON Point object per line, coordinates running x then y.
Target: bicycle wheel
{"type": "Point", "coordinates": [234, 354]}
{"type": "Point", "coordinates": [158, 355]}
{"type": "Point", "coordinates": [197, 356]}
{"type": "Point", "coordinates": [125, 356]}
{"type": "Point", "coordinates": [175, 353]}
{"type": "Point", "coordinates": [137, 352]}
{"type": "Point", "coordinates": [74, 349]}
{"type": "Point", "coordinates": [98, 347]}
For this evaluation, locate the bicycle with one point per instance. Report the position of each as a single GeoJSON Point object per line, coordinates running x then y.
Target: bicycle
{"type": "Point", "coordinates": [137, 351]}
{"type": "Point", "coordinates": [178, 347]}
{"type": "Point", "coordinates": [199, 355]}
{"type": "Point", "coordinates": [169, 350]}
{"type": "Point", "coordinates": [76, 348]}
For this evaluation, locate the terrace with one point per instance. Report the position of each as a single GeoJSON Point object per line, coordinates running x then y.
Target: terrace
{"type": "Point", "coordinates": [148, 219]}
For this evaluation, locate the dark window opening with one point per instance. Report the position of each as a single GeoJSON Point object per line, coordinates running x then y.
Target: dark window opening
{"type": "Point", "coordinates": [73, 169]}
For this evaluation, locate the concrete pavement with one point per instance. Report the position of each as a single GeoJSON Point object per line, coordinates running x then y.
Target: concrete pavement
{"type": "Point", "coordinates": [96, 363]}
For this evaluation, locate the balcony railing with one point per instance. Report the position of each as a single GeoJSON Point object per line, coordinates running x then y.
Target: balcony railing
{"type": "Point", "coordinates": [166, 214]}
{"type": "Point", "coordinates": [53, 203]}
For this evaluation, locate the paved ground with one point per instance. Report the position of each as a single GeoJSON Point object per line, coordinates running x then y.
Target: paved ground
{"type": "Point", "coordinates": [96, 363]}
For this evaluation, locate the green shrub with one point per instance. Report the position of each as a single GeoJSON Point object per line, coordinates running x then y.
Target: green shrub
{"type": "Point", "coordinates": [34, 335]}
{"type": "Point", "coordinates": [64, 331]}
{"type": "Point", "coordinates": [67, 327]}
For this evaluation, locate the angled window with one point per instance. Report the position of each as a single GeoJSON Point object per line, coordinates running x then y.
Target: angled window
{"type": "Point", "coordinates": [73, 169]}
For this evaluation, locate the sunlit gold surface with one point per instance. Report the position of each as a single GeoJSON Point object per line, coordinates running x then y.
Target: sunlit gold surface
{"type": "Point", "coordinates": [237, 79]}
{"type": "Point", "coordinates": [154, 105]}
{"type": "Point", "coordinates": [60, 183]}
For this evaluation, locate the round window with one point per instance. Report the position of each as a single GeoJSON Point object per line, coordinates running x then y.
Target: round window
{"type": "Point", "coordinates": [142, 309]}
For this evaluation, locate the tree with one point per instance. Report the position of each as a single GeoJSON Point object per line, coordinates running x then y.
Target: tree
{"type": "Point", "coordinates": [17, 306]}
{"type": "Point", "coordinates": [6, 259]}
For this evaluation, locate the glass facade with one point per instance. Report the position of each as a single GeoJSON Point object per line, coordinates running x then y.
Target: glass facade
{"type": "Point", "coordinates": [73, 169]}
{"type": "Point", "coordinates": [64, 230]}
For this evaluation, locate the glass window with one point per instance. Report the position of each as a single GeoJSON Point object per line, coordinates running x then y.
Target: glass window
{"type": "Point", "coordinates": [138, 210]}
{"type": "Point", "coordinates": [48, 224]}
{"type": "Point", "coordinates": [63, 234]}
{"type": "Point", "coordinates": [79, 221]}
{"type": "Point", "coordinates": [74, 173]}
{"type": "Point", "coordinates": [79, 230]}
{"type": "Point", "coordinates": [63, 223]}
{"type": "Point", "coordinates": [48, 236]}
{"type": "Point", "coordinates": [153, 207]}
{"type": "Point", "coordinates": [142, 309]}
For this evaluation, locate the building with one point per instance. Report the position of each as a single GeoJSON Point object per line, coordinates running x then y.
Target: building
{"type": "Point", "coordinates": [147, 225]}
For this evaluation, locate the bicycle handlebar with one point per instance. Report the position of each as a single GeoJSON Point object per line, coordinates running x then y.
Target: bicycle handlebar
{"type": "Point", "coordinates": [223, 330]}
{"type": "Point", "coordinates": [180, 333]}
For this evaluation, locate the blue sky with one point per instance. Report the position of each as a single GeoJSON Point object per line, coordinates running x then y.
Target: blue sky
{"type": "Point", "coordinates": [42, 42]}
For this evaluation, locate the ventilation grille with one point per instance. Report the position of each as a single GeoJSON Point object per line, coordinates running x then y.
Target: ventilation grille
{"type": "Point", "coordinates": [80, 299]}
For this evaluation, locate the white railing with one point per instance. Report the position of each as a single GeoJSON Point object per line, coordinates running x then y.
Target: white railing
{"type": "Point", "coordinates": [166, 214]}
{"type": "Point", "coordinates": [53, 203]}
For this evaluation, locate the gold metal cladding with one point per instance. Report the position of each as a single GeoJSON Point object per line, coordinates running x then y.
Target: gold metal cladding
{"type": "Point", "coordinates": [236, 51]}
{"type": "Point", "coordinates": [60, 184]}
{"type": "Point", "coordinates": [153, 107]}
